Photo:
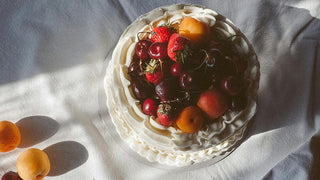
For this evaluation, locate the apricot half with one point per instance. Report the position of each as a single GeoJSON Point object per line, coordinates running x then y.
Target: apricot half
{"type": "Point", "coordinates": [33, 164]}
{"type": "Point", "coordinates": [9, 136]}
{"type": "Point", "coordinates": [190, 119]}
{"type": "Point", "coordinates": [193, 29]}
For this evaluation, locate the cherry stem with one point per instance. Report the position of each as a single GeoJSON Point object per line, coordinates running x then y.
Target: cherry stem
{"type": "Point", "coordinates": [204, 61]}
{"type": "Point", "coordinates": [187, 95]}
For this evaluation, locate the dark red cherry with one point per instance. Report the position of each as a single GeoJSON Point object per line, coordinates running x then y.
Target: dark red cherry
{"type": "Point", "coordinates": [176, 69]}
{"type": "Point", "coordinates": [231, 85]}
{"type": "Point", "coordinates": [166, 89]}
{"type": "Point", "coordinates": [11, 176]}
{"type": "Point", "coordinates": [150, 106]}
{"type": "Point", "coordinates": [142, 48]}
{"type": "Point", "coordinates": [238, 103]}
{"type": "Point", "coordinates": [158, 50]}
{"type": "Point", "coordinates": [141, 90]}
{"type": "Point", "coordinates": [190, 80]}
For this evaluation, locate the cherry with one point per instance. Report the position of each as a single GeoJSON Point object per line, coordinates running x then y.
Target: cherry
{"type": "Point", "coordinates": [11, 176]}
{"type": "Point", "coordinates": [238, 103]}
{"type": "Point", "coordinates": [142, 48]}
{"type": "Point", "coordinates": [140, 89]}
{"type": "Point", "coordinates": [190, 80]}
{"type": "Point", "coordinates": [231, 85]}
{"type": "Point", "coordinates": [158, 50]}
{"type": "Point", "coordinates": [150, 106]}
{"type": "Point", "coordinates": [176, 69]}
{"type": "Point", "coordinates": [165, 89]}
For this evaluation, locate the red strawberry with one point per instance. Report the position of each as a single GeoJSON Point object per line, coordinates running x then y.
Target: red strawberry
{"type": "Point", "coordinates": [178, 49]}
{"type": "Point", "coordinates": [161, 34]}
{"type": "Point", "coordinates": [165, 114]}
{"type": "Point", "coordinates": [153, 71]}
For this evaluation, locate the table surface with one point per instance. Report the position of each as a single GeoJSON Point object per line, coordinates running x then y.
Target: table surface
{"type": "Point", "coordinates": [52, 65]}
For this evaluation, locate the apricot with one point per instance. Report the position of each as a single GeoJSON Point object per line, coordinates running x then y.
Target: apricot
{"type": "Point", "coordinates": [190, 119]}
{"type": "Point", "coordinates": [33, 164]}
{"type": "Point", "coordinates": [9, 136]}
{"type": "Point", "coordinates": [193, 29]}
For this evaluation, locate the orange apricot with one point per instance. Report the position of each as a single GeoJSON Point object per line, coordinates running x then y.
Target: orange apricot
{"type": "Point", "coordinates": [193, 29]}
{"type": "Point", "coordinates": [9, 136]}
{"type": "Point", "coordinates": [33, 164]}
{"type": "Point", "coordinates": [190, 119]}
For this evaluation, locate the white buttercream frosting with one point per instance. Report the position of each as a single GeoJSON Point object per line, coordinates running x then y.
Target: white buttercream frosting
{"type": "Point", "coordinates": [145, 135]}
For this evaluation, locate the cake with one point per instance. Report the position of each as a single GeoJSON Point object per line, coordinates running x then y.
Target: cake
{"type": "Point", "coordinates": [170, 143]}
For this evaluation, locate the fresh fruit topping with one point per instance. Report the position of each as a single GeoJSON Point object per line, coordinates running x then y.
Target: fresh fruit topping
{"type": "Point", "coordinates": [165, 89]}
{"type": "Point", "coordinates": [140, 89]}
{"type": "Point", "coordinates": [231, 85]}
{"type": "Point", "coordinates": [176, 69]}
{"type": "Point", "coordinates": [190, 119]}
{"type": "Point", "coordinates": [33, 164]}
{"type": "Point", "coordinates": [178, 49]}
{"type": "Point", "coordinates": [9, 136]}
{"type": "Point", "coordinates": [153, 71]}
{"type": "Point", "coordinates": [158, 50]}
{"type": "Point", "coordinates": [213, 102]}
{"type": "Point", "coordinates": [194, 29]}
{"type": "Point", "coordinates": [190, 80]}
{"type": "Point", "coordinates": [238, 103]}
{"type": "Point", "coordinates": [149, 107]}
{"type": "Point", "coordinates": [166, 114]}
{"type": "Point", "coordinates": [161, 34]}
{"type": "Point", "coordinates": [142, 48]}
{"type": "Point", "coordinates": [11, 176]}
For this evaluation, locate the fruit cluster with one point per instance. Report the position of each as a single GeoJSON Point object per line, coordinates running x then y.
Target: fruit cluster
{"type": "Point", "coordinates": [188, 76]}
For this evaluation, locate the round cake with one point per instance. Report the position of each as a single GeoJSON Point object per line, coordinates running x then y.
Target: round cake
{"type": "Point", "coordinates": [219, 107]}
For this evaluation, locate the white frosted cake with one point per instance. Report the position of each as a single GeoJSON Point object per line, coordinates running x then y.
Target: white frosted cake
{"type": "Point", "coordinates": [168, 144]}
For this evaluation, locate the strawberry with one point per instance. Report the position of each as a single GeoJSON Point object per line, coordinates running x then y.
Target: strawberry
{"type": "Point", "coordinates": [165, 114]}
{"type": "Point", "coordinates": [161, 33]}
{"type": "Point", "coordinates": [153, 71]}
{"type": "Point", "coordinates": [178, 49]}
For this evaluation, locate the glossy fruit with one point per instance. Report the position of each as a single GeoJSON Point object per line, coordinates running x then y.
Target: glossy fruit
{"type": "Point", "coordinates": [213, 102]}
{"type": "Point", "coordinates": [11, 176]}
{"type": "Point", "coordinates": [176, 69]}
{"type": "Point", "coordinates": [166, 114]}
{"type": "Point", "coordinates": [142, 48]}
{"type": "Point", "coordinates": [9, 136]}
{"type": "Point", "coordinates": [161, 34]}
{"type": "Point", "coordinates": [194, 29]}
{"type": "Point", "coordinates": [190, 119]}
{"type": "Point", "coordinates": [150, 106]}
{"type": "Point", "coordinates": [140, 89]}
{"type": "Point", "coordinates": [153, 71]}
{"type": "Point", "coordinates": [158, 50]}
{"type": "Point", "coordinates": [190, 80]}
{"type": "Point", "coordinates": [178, 49]}
{"type": "Point", "coordinates": [165, 89]}
{"type": "Point", "coordinates": [33, 164]}
{"type": "Point", "coordinates": [231, 85]}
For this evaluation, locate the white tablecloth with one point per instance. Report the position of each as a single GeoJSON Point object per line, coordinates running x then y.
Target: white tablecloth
{"type": "Point", "coordinates": [51, 73]}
